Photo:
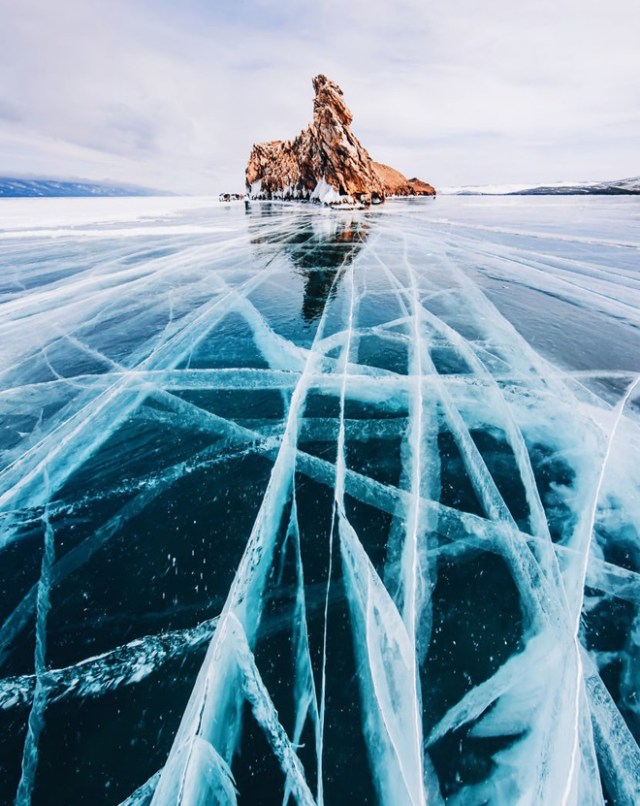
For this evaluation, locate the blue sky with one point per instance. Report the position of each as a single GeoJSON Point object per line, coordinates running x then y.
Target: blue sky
{"type": "Point", "coordinates": [173, 94]}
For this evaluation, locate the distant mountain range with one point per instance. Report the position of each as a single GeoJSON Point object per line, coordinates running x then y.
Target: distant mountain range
{"type": "Point", "coordinates": [617, 187]}
{"type": "Point", "coordinates": [620, 187]}
{"type": "Point", "coordinates": [15, 187]}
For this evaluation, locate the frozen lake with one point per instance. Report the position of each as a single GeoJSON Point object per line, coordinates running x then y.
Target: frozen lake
{"type": "Point", "coordinates": [316, 506]}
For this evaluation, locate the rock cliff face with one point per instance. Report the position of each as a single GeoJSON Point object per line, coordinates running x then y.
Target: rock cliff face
{"type": "Point", "coordinates": [397, 184]}
{"type": "Point", "coordinates": [326, 161]}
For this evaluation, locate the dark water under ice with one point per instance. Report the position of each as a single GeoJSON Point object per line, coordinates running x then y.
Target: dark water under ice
{"type": "Point", "coordinates": [320, 506]}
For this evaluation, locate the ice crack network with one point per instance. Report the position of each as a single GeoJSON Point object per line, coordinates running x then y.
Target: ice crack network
{"type": "Point", "coordinates": [305, 506]}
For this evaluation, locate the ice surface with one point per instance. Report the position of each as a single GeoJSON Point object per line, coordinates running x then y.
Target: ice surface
{"type": "Point", "coordinates": [315, 506]}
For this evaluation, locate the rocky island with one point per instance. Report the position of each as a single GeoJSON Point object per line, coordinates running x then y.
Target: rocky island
{"type": "Point", "coordinates": [326, 162]}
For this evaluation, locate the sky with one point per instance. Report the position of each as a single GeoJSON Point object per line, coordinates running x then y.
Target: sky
{"type": "Point", "coordinates": [173, 93]}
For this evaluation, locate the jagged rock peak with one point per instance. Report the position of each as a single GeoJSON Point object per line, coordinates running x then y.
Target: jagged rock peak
{"type": "Point", "coordinates": [329, 102]}
{"type": "Point", "coordinates": [326, 162]}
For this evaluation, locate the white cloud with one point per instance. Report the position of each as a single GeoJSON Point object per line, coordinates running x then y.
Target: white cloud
{"type": "Point", "coordinates": [173, 94]}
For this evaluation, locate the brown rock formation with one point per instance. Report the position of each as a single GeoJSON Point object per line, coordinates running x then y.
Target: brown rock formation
{"type": "Point", "coordinates": [326, 161]}
{"type": "Point", "coordinates": [397, 184]}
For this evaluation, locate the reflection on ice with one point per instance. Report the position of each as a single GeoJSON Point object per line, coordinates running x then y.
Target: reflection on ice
{"type": "Point", "coordinates": [288, 495]}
